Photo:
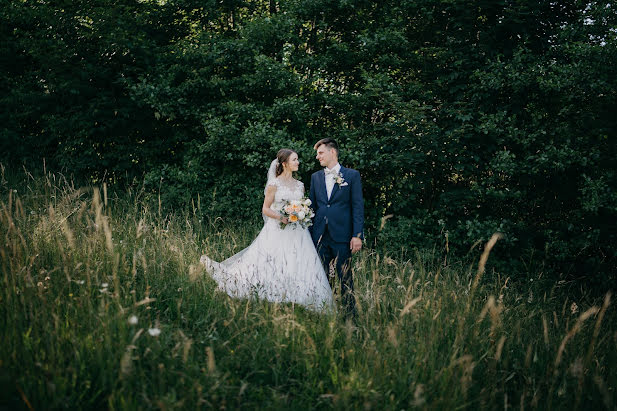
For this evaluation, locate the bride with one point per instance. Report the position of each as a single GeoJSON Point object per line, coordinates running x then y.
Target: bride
{"type": "Point", "coordinates": [281, 265]}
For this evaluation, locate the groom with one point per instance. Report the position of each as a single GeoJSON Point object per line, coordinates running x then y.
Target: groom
{"type": "Point", "coordinates": [337, 231]}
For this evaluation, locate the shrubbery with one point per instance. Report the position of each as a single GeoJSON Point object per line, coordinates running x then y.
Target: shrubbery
{"type": "Point", "coordinates": [463, 117]}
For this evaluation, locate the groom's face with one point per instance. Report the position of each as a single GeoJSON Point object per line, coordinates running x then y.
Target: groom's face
{"type": "Point", "coordinates": [326, 156]}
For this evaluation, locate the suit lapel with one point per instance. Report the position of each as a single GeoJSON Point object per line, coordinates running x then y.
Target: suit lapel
{"type": "Point", "coordinates": [322, 179]}
{"type": "Point", "coordinates": [336, 186]}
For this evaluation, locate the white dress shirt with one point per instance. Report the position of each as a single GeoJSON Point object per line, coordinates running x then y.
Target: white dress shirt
{"type": "Point", "coordinates": [330, 178]}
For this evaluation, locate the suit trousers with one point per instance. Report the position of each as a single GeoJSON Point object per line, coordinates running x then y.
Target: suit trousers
{"type": "Point", "coordinates": [339, 254]}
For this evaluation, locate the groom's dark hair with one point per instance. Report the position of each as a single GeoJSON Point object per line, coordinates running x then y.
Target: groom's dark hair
{"type": "Point", "coordinates": [328, 142]}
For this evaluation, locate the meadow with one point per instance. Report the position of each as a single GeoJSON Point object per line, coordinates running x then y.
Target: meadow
{"type": "Point", "coordinates": [103, 305]}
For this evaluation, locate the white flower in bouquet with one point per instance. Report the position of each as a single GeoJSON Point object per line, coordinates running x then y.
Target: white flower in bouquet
{"type": "Point", "coordinates": [298, 213]}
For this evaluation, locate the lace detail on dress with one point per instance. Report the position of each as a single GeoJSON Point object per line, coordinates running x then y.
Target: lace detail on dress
{"type": "Point", "coordinates": [286, 191]}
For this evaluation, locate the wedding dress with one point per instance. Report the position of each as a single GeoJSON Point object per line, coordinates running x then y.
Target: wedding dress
{"type": "Point", "coordinates": [280, 265]}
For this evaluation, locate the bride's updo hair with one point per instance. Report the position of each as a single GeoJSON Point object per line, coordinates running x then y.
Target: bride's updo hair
{"type": "Point", "coordinates": [282, 156]}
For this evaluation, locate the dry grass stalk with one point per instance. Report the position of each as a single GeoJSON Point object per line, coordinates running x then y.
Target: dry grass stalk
{"type": "Point", "coordinates": [137, 335]}
{"type": "Point", "coordinates": [481, 267]}
{"type": "Point", "coordinates": [107, 230]}
{"type": "Point", "coordinates": [596, 332]}
{"type": "Point", "coordinates": [96, 201]}
{"type": "Point", "coordinates": [211, 361]}
{"type": "Point", "coordinates": [141, 226]}
{"type": "Point", "coordinates": [467, 364]}
{"type": "Point", "coordinates": [195, 272]}
{"type": "Point", "coordinates": [384, 219]}
{"type": "Point", "coordinates": [144, 263]}
{"type": "Point", "coordinates": [493, 310]}
{"type": "Point", "coordinates": [19, 209]}
{"type": "Point", "coordinates": [146, 300]}
{"type": "Point", "coordinates": [575, 329]}
{"type": "Point", "coordinates": [545, 325]}
{"type": "Point", "coordinates": [484, 258]}
{"type": "Point", "coordinates": [25, 399]}
{"type": "Point", "coordinates": [10, 205]}
{"type": "Point", "coordinates": [105, 194]}
{"type": "Point", "coordinates": [392, 332]}
{"type": "Point", "coordinates": [186, 348]}
{"type": "Point", "coordinates": [126, 364]}
{"type": "Point", "coordinates": [134, 267]}
{"type": "Point", "coordinates": [528, 356]}
{"type": "Point", "coordinates": [499, 349]}
{"type": "Point", "coordinates": [606, 394]}
{"type": "Point", "coordinates": [418, 396]}
{"type": "Point", "coordinates": [68, 234]}
{"type": "Point", "coordinates": [409, 306]}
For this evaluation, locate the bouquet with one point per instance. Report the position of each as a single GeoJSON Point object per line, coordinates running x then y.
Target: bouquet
{"type": "Point", "coordinates": [298, 213]}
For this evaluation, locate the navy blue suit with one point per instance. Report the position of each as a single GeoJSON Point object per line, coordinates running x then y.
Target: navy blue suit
{"type": "Point", "coordinates": [336, 221]}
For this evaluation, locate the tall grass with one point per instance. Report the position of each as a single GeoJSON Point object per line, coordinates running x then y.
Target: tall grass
{"type": "Point", "coordinates": [80, 265]}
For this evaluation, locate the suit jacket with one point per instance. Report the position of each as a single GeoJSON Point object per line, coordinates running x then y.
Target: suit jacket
{"type": "Point", "coordinates": [343, 212]}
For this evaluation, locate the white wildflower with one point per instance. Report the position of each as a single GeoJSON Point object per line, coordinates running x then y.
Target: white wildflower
{"type": "Point", "coordinates": [155, 332]}
{"type": "Point", "coordinates": [133, 319]}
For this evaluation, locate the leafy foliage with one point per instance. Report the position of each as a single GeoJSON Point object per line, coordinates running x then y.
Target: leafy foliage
{"type": "Point", "coordinates": [464, 118]}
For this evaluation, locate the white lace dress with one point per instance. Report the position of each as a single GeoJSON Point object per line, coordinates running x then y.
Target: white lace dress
{"type": "Point", "coordinates": [280, 265]}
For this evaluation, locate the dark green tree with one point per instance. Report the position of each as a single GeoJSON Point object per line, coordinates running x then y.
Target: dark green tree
{"type": "Point", "coordinates": [464, 118]}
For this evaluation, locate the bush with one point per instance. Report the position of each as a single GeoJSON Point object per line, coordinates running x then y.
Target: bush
{"type": "Point", "coordinates": [461, 117]}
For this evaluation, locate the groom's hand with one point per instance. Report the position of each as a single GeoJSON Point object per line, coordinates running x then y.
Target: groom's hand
{"type": "Point", "coordinates": [355, 244]}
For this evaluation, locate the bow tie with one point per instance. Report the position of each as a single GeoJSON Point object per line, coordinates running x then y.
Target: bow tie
{"type": "Point", "coordinates": [330, 172]}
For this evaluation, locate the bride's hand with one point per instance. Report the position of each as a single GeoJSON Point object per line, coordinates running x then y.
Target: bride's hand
{"type": "Point", "coordinates": [284, 220]}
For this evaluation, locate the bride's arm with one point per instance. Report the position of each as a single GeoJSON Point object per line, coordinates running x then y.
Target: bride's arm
{"type": "Point", "coordinates": [268, 200]}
